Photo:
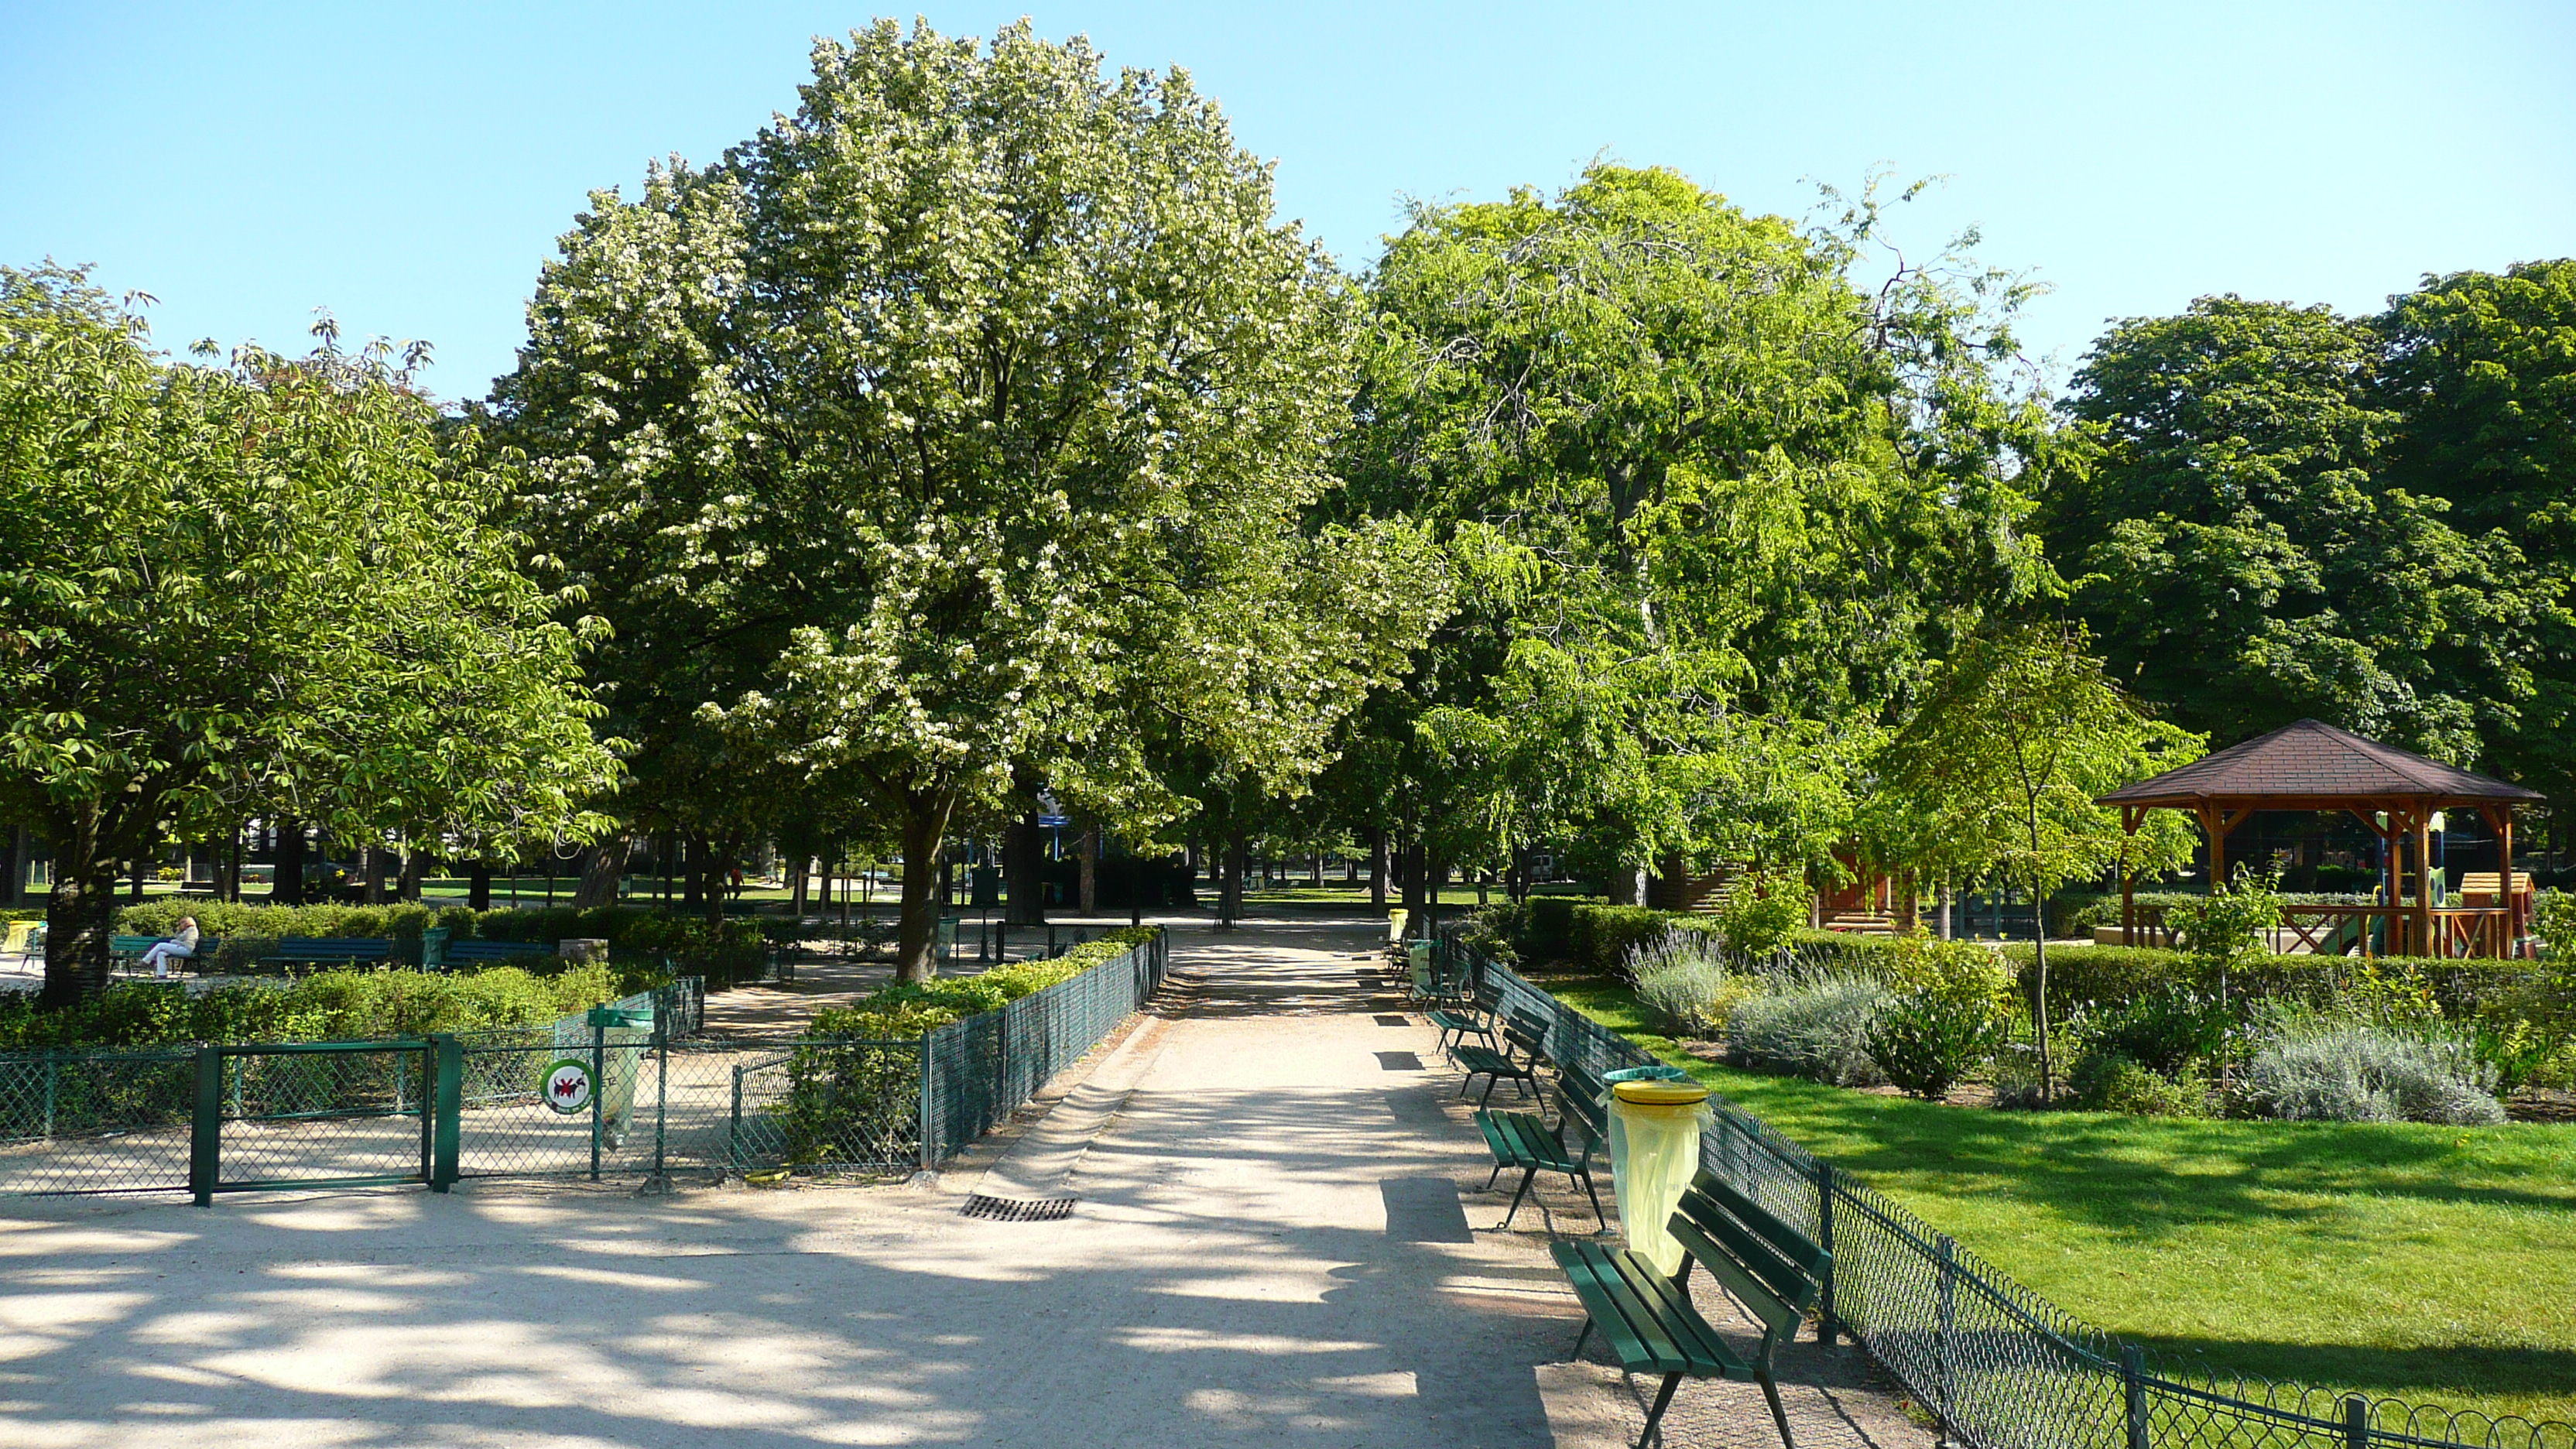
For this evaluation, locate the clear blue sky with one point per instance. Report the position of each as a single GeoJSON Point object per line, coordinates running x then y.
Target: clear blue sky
{"type": "Point", "coordinates": [410, 166]}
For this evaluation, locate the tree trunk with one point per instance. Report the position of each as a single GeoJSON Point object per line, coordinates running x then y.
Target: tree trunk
{"type": "Point", "coordinates": [925, 821]}
{"type": "Point", "coordinates": [602, 866]}
{"type": "Point", "coordinates": [1377, 868]}
{"type": "Point", "coordinates": [13, 890]}
{"type": "Point", "coordinates": [286, 876]}
{"type": "Point", "coordinates": [478, 886]}
{"type": "Point", "coordinates": [796, 889]}
{"type": "Point", "coordinates": [1909, 912]}
{"type": "Point", "coordinates": [1024, 871]}
{"type": "Point", "coordinates": [414, 863]}
{"type": "Point", "coordinates": [1627, 885]}
{"type": "Point", "coordinates": [80, 914]}
{"type": "Point", "coordinates": [1234, 864]}
{"type": "Point", "coordinates": [371, 872]}
{"type": "Point", "coordinates": [1090, 849]}
{"type": "Point", "coordinates": [137, 881]}
{"type": "Point", "coordinates": [691, 896]}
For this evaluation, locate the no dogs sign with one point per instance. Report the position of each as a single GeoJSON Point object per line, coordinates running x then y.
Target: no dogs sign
{"type": "Point", "coordinates": [568, 1086]}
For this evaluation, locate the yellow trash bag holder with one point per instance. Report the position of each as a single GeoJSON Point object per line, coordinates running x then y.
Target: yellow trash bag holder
{"type": "Point", "coordinates": [1654, 1152]}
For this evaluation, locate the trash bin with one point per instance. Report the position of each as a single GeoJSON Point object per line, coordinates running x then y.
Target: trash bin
{"type": "Point", "coordinates": [1654, 1151]}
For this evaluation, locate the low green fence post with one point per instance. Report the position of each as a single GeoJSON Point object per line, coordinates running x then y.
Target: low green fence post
{"type": "Point", "coordinates": [1825, 1240]}
{"type": "Point", "coordinates": [598, 1089]}
{"type": "Point", "coordinates": [2356, 1422]}
{"type": "Point", "coordinates": [2133, 1389]}
{"type": "Point", "coordinates": [206, 1127]}
{"type": "Point", "coordinates": [661, 1085]}
{"type": "Point", "coordinates": [448, 1093]}
{"type": "Point", "coordinates": [929, 1154]}
{"type": "Point", "coordinates": [428, 1109]}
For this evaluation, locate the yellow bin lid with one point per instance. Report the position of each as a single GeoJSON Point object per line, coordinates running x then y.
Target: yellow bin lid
{"type": "Point", "coordinates": [1659, 1094]}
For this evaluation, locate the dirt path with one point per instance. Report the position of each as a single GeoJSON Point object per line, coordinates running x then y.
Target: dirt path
{"type": "Point", "coordinates": [1279, 1238]}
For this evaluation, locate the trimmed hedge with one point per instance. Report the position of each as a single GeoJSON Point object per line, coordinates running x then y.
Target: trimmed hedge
{"type": "Point", "coordinates": [325, 1006]}
{"type": "Point", "coordinates": [909, 1008]}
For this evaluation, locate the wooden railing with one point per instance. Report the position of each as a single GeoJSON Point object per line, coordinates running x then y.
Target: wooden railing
{"type": "Point", "coordinates": [2347, 930]}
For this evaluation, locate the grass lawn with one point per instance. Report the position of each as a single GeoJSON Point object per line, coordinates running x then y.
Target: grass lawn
{"type": "Point", "coordinates": [2425, 1263]}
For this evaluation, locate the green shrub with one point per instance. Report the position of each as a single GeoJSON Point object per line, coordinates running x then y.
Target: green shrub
{"type": "Point", "coordinates": [1602, 937]}
{"type": "Point", "coordinates": [2317, 1067]}
{"type": "Point", "coordinates": [2165, 1030]}
{"type": "Point", "coordinates": [1815, 1025]}
{"type": "Point", "coordinates": [1951, 1010]}
{"type": "Point", "coordinates": [1548, 933]}
{"type": "Point", "coordinates": [1761, 915]}
{"type": "Point", "coordinates": [1684, 979]}
{"type": "Point", "coordinates": [2107, 1081]}
{"type": "Point", "coordinates": [325, 1006]}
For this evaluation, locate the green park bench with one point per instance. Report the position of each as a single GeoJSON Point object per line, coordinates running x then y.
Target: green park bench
{"type": "Point", "coordinates": [1471, 1017]}
{"type": "Point", "coordinates": [1529, 1142]}
{"type": "Point", "coordinates": [1522, 1033]}
{"type": "Point", "coordinates": [329, 951]}
{"type": "Point", "coordinates": [483, 953]}
{"type": "Point", "coordinates": [126, 951]}
{"type": "Point", "coordinates": [1649, 1320]}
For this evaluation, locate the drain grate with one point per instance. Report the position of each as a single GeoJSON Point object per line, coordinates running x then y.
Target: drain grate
{"type": "Point", "coordinates": [1011, 1210]}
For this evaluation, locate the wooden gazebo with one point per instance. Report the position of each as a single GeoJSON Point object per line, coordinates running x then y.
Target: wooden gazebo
{"type": "Point", "coordinates": [2312, 765]}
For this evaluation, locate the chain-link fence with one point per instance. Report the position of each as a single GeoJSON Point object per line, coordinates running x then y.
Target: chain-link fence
{"type": "Point", "coordinates": [981, 1069]}
{"type": "Point", "coordinates": [84, 1122]}
{"type": "Point", "coordinates": [1998, 1364]}
{"type": "Point", "coordinates": [624, 1089]}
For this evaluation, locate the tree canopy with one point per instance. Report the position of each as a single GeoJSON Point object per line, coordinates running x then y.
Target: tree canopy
{"type": "Point", "coordinates": [962, 423]}
{"type": "Point", "coordinates": [2244, 556]}
{"type": "Point", "coordinates": [1709, 502]}
{"type": "Point", "coordinates": [273, 587]}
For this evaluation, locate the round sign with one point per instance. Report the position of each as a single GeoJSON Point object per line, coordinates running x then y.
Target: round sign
{"type": "Point", "coordinates": [568, 1086]}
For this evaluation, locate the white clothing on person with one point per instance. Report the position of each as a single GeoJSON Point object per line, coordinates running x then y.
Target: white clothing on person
{"type": "Point", "coordinates": [181, 947]}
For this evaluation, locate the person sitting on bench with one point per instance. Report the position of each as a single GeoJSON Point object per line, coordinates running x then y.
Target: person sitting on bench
{"type": "Point", "coordinates": [181, 947]}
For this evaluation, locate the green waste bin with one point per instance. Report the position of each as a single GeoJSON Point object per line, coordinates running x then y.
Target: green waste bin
{"type": "Point", "coordinates": [1655, 1123]}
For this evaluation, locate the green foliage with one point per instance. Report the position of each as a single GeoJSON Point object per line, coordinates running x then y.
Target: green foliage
{"type": "Point", "coordinates": [1600, 939]}
{"type": "Point", "coordinates": [2319, 1066]}
{"type": "Point", "coordinates": [1816, 1024]}
{"type": "Point", "coordinates": [2164, 1031]}
{"type": "Point", "coordinates": [278, 587]}
{"type": "Point", "coordinates": [1686, 979]}
{"type": "Point", "coordinates": [1004, 485]}
{"type": "Point", "coordinates": [909, 1008]}
{"type": "Point", "coordinates": [2107, 1081]}
{"type": "Point", "coordinates": [1951, 1012]}
{"type": "Point", "coordinates": [325, 1006]}
{"type": "Point", "coordinates": [2224, 928]}
{"type": "Point", "coordinates": [1709, 495]}
{"type": "Point", "coordinates": [1762, 913]}
{"type": "Point", "coordinates": [2241, 503]}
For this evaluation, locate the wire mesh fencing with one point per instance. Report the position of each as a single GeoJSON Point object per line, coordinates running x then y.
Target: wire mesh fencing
{"type": "Point", "coordinates": [624, 1089]}
{"type": "Point", "coordinates": [2000, 1366]}
{"type": "Point", "coordinates": [980, 1070]}
{"type": "Point", "coordinates": [94, 1122]}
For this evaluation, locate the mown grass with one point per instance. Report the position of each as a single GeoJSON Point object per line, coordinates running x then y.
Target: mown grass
{"type": "Point", "coordinates": [2425, 1263]}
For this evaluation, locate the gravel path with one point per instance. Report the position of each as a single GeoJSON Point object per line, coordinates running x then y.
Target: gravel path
{"type": "Point", "coordinates": [1279, 1238]}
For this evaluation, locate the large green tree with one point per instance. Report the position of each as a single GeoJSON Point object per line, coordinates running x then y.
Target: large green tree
{"type": "Point", "coordinates": [1709, 500]}
{"type": "Point", "coordinates": [273, 587]}
{"type": "Point", "coordinates": [950, 439]}
{"type": "Point", "coordinates": [2244, 558]}
{"type": "Point", "coordinates": [2481, 375]}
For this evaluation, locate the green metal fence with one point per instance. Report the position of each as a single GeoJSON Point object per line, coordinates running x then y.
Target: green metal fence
{"type": "Point", "coordinates": [648, 1096]}
{"type": "Point", "coordinates": [1999, 1365]}
{"type": "Point", "coordinates": [979, 1070]}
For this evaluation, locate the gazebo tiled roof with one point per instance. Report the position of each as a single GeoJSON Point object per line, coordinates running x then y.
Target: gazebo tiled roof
{"type": "Point", "coordinates": [2313, 765]}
